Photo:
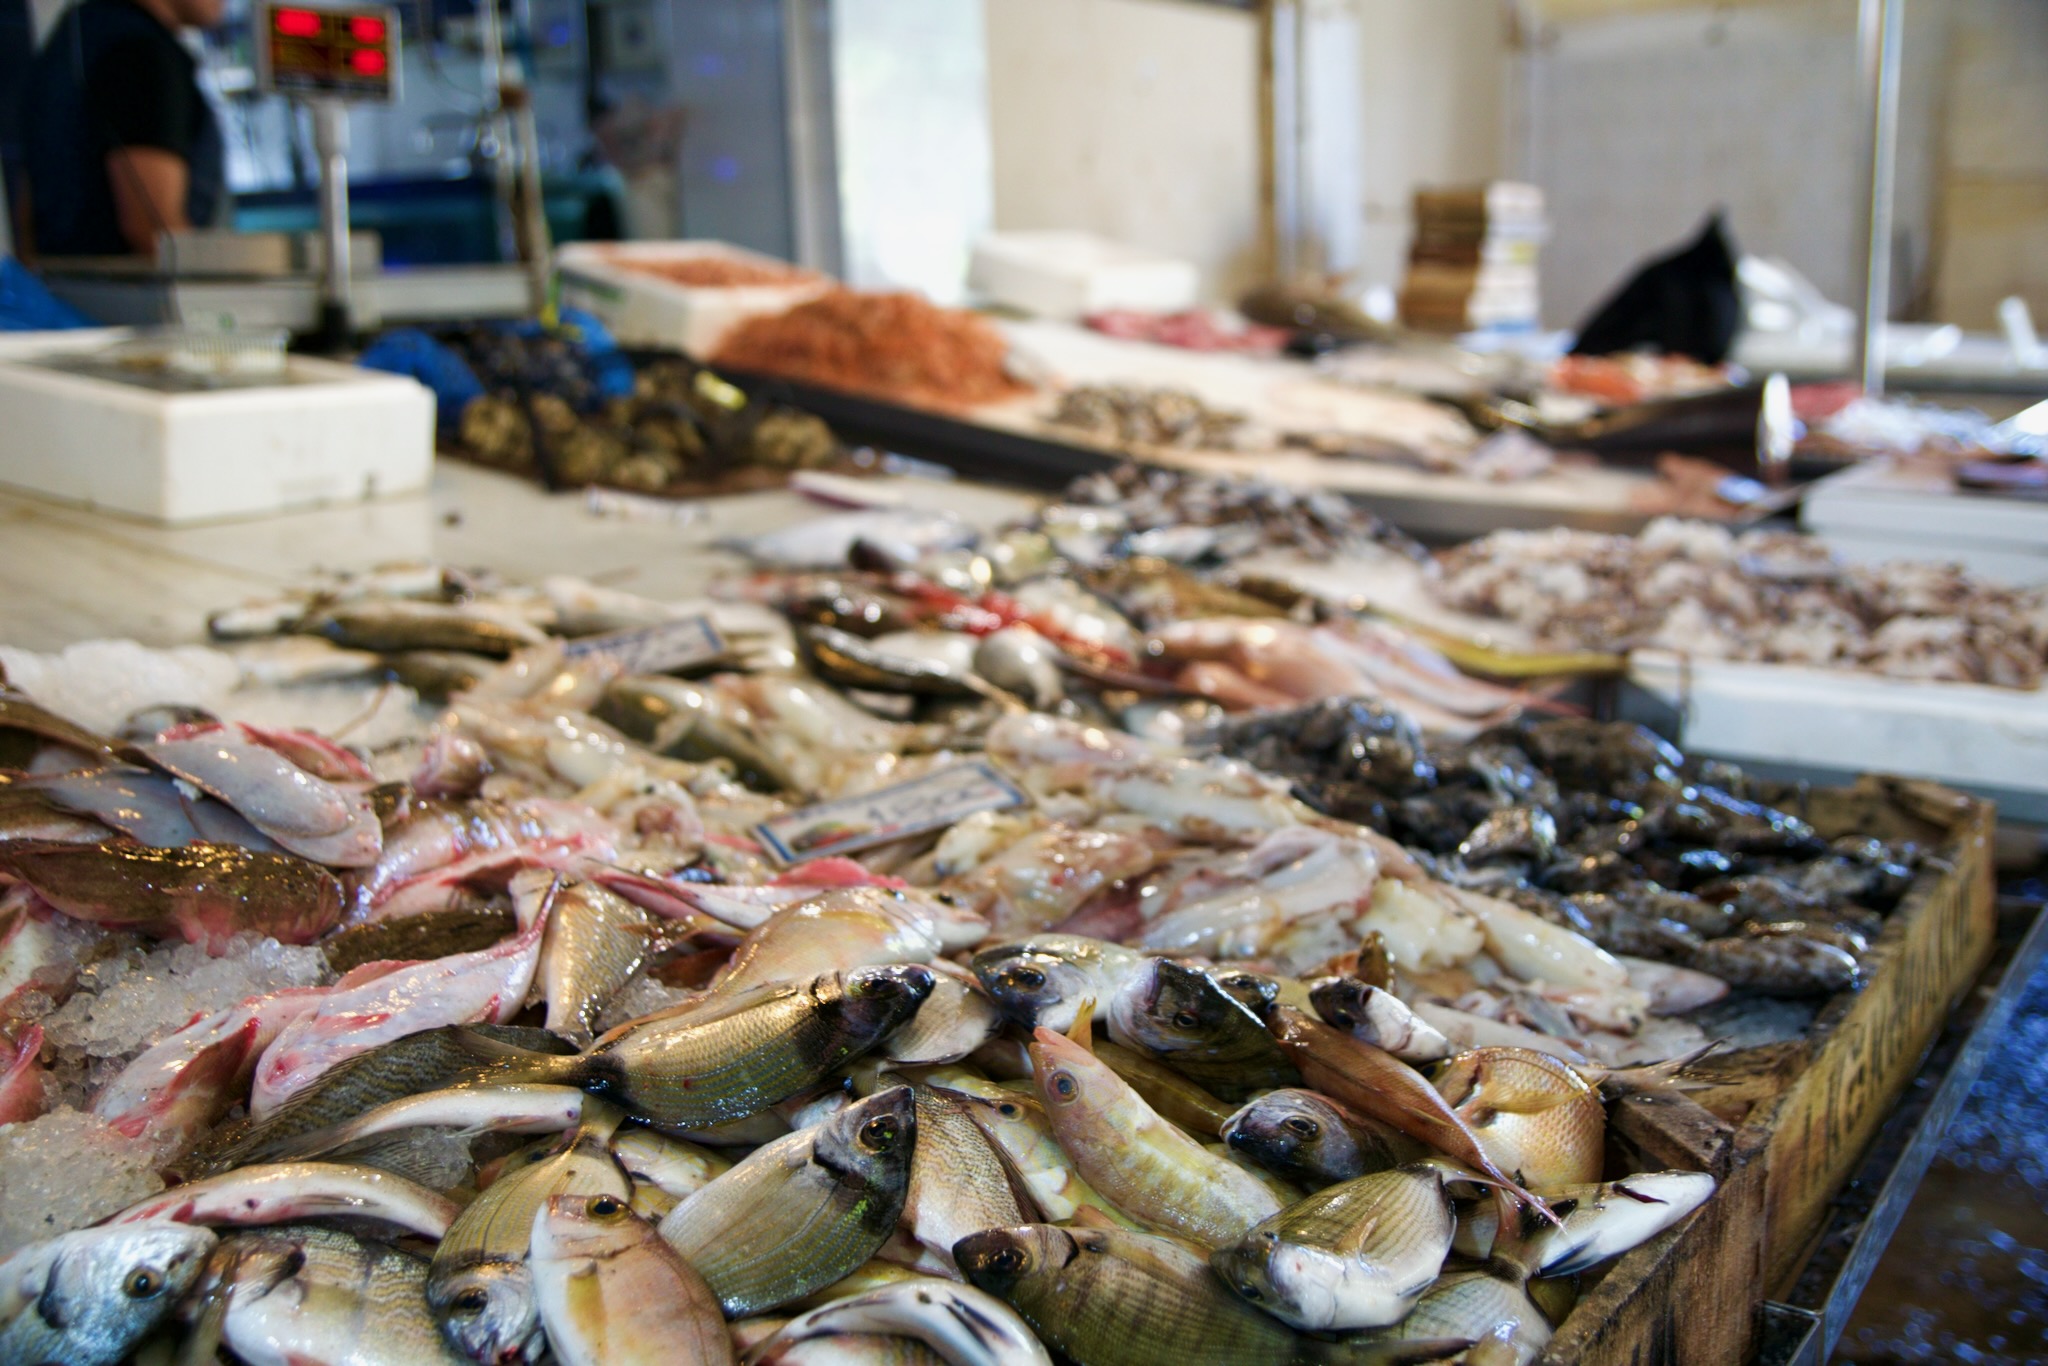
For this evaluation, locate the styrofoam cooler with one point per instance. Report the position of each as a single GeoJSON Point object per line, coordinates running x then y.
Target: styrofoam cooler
{"type": "Point", "coordinates": [646, 310]}
{"type": "Point", "coordinates": [1068, 275]}
{"type": "Point", "coordinates": [327, 434]}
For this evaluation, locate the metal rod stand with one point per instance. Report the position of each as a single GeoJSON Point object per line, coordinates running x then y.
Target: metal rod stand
{"type": "Point", "coordinates": [330, 140]}
{"type": "Point", "coordinates": [1879, 29]}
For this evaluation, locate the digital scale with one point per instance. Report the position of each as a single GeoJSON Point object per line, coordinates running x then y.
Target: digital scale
{"type": "Point", "coordinates": [325, 57]}
{"type": "Point", "coordinates": [328, 286]}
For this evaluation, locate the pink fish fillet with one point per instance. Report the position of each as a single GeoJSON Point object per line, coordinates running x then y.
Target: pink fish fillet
{"type": "Point", "coordinates": [21, 1085]}
{"type": "Point", "coordinates": [834, 872]}
{"type": "Point", "coordinates": [316, 754]}
{"type": "Point", "coordinates": [488, 986]}
{"type": "Point", "coordinates": [308, 815]}
{"type": "Point", "coordinates": [441, 834]}
{"type": "Point", "coordinates": [181, 1086]}
{"type": "Point", "coordinates": [441, 888]}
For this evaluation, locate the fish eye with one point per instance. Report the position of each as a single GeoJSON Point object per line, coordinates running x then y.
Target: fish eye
{"type": "Point", "coordinates": [1031, 979]}
{"type": "Point", "coordinates": [879, 1133]}
{"type": "Point", "coordinates": [1009, 1260]}
{"type": "Point", "coordinates": [470, 1302]}
{"type": "Point", "coordinates": [1249, 1291]}
{"type": "Point", "coordinates": [1304, 1126]}
{"type": "Point", "coordinates": [142, 1283]}
{"type": "Point", "coordinates": [1063, 1086]}
{"type": "Point", "coordinates": [946, 899]}
{"type": "Point", "coordinates": [1343, 1019]}
{"type": "Point", "coordinates": [605, 1207]}
{"type": "Point", "coordinates": [1009, 1109]}
{"type": "Point", "coordinates": [1186, 1019]}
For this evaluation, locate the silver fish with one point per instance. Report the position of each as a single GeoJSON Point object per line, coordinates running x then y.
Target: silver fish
{"type": "Point", "coordinates": [967, 1327]}
{"type": "Point", "coordinates": [310, 1296]}
{"type": "Point", "coordinates": [281, 1192]}
{"type": "Point", "coordinates": [1042, 981]}
{"type": "Point", "coordinates": [86, 1298]}
{"type": "Point", "coordinates": [1596, 1222]}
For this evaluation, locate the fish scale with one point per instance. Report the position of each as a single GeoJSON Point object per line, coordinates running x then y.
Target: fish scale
{"type": "Point", "coordinates": [813, 1205]}
{"type": "Point", "coordinates": [306, 1293]}
{"type": "Point", "coordinates": [735, 1059]}
{"type": "Point", "coordinates": [1355, 1255]}
{"type": "Point", "coordinates": [595, 941]}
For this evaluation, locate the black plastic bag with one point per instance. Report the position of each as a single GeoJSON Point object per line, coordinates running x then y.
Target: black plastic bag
{"type": "Point", "coordinates": [1686, 304]}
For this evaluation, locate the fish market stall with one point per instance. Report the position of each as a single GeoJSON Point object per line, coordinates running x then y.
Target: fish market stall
{"type": "Point", "coordinates": [1094, 399]}
{"type": "Point", "coordinates": [1765, 648]}
{"type": "Point", "coordinates": [667, 876]}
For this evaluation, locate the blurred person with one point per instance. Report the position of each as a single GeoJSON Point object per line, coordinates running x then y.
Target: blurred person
{"type": "Point", "coordinates": [121, 145]}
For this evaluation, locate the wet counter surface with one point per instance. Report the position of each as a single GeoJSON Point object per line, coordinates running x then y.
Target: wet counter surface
{"type": "Point", "coordinates": [1966, 1276]}
{"type": "Point", "coordinates": [74, 574]}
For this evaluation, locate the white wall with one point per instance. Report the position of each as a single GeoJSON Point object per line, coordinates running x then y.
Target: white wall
{"type": "Point", "coordinates": [1640, 124]}
{"type": "Point", "coordinates": [1435, 77]}
{"type": "Point", "coordinates": [1992, 197]}
{"type": "Point", "coordinates": [1138, 119]}
{"type": "Point", "coordinates": [1135, 119]}
{"type": "Point", "coordinates": [911, 108]}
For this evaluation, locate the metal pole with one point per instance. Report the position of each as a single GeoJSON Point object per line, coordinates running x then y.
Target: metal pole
{"type": "Point", "coordinates": [813, 172]}
{"type": "Point", "coordinates": [330, 142]}
{"type": "Point", "coordinates": [1880, 26]}
{"type": "Point", "coordinates": [1269, 171]}
{"type": "Point", "coordinates": [491, 75]}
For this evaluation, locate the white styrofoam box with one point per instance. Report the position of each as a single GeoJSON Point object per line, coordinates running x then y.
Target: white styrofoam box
{"type": "Point", "coordinates": [1964, 733]}
{"type": "Point", "coordinates": [1876, 511]}
{"type": "Point", "coordinates": [339, 434]}
{"type": "Point", "coordinates": [646, 310]}
{"type": "Point", "coordinates": [1072, 274]}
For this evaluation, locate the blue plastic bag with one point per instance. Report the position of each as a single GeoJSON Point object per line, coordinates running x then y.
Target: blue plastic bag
{"type": "Point", "coordinates": [26, 306]}
{"type": "Point", "coordinates": [409, 351]}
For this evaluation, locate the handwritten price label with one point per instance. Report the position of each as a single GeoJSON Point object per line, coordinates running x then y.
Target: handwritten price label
{"type": "Point", "coordinates": [687, 643]}
{"type": "Point", "coordinates": [917, 807]}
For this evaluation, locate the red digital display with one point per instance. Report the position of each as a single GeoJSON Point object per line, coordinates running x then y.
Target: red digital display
{"type": "Point", "coordinates": [348, 50]}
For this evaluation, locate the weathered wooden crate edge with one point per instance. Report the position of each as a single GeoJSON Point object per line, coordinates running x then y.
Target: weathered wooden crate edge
{"type": "Point", "coordinates": [1690, 1297]}
{"type": "Point", "coordinates": [1864, 1049]}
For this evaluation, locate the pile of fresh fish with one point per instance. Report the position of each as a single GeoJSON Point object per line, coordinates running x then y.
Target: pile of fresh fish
{"type": "Point", "coordinates": [579, 1068]}
{"type": "Point", "coordinates": [1700, 590]}
{"type": "Point", "coordinates": [931, 969]}
{"type": "Point", "coordinates": [1206, 521]}
{"type": "Point", "coordinates": [1608, 830]}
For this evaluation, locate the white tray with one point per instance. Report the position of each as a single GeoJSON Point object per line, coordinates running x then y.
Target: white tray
{"type": "Point", "coordinates": [337, 434]}
{"type": "Point", "coordinates": [645, 310]}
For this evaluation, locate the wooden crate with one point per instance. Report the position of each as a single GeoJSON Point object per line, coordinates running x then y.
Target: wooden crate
{"type": "Point", "coordinates": [1782, 1127]}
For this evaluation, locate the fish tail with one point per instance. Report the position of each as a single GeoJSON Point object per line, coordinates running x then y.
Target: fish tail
{"type": "Point", "coordinates": [1667, 1076]}
{"type": "Point", "coordinates": [1520, 1216]}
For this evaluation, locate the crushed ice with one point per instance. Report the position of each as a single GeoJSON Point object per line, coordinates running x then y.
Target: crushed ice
{"type": "Point", "coordinates": [129, 1001]}
{"type": "Point", "coordinates": [64, 1171]}
{"type": "Point", "coordinates": [641, 996]}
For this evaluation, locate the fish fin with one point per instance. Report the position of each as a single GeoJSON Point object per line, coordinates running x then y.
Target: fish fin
{"type": "Point", "coordinates": [1083, 1031]}
{"type": "Point", "coordinates": [1519, 1221]}
{"type": "Point", "coordinates": [1087, 1216]}
{"type": "Point", "coordinates": [1668, 1075]}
